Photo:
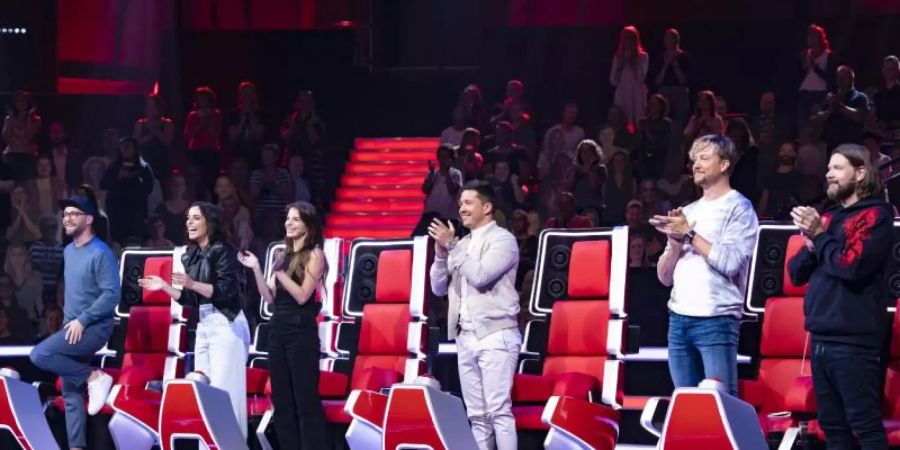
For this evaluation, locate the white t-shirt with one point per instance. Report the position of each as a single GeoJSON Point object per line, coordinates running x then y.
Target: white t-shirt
{"type": "Point", "coordinates": [812, 81]}
{"type": "Point", "coordinates": [715, 286]}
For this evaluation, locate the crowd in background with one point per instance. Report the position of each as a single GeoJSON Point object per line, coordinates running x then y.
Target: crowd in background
{"type": "Point", "coordinates": [628, 169]}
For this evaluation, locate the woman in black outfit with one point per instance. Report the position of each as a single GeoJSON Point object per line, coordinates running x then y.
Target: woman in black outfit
{"type": "Point", "coordinates": [294, 339]}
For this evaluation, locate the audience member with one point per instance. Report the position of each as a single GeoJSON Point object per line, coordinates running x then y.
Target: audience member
{"type": "Point", "coordinates": [780, 186]}
{"type": "Point", "coordinates": [819, 66]}
{"type": "Point", "coordinates": [554, 144]}
{"type": "Point", "coordinates": [18, 319]}
{"type": "Point", "coordinates": [226, 188]}
{"type": "Point", "coordinates": [505, 149]}
{"type": "Point", "coordinates": [620, 188]}
{"type": "Point", "coordinates": [629, 74]}
{"type": "Point", "coordinates": [45, 189]}
{"type": "Point", "coordinates": [270, 185]}
{"type": "Point", "coordinates": [247, 125]}
{"type": "Point", "coordinates": [674, 76]}
{"type": "Point", "coordinates": [528, 244]}
{"type": "Point", "coordinates": [202, 134]}
{"type": "Point", "coordinates": [624, 131]}
{"type": "Point", "coordinates": [589, 176]}
{"type": "Point", "coordinates": [767, 146]}
{"type": "Point", "coordinates": [887, 99]}
{"type": "Point", "coordinates": [173, 210]}
{"type": "Point", "coordinates": [572, 133]}
{"type": "Point", "coordinates": [7, 183]}
{"type": "Point", "coordinates": [515, 94]}
{"type": "Point", "coordinates": [468, 161]}
{"type": "Point", "coordinates": [554, 183]}
{"type": "Point", "coordinates": [128, 182]}
{"type": "Point", "coordinates": [705, 120]}
{"type": "Point", "coordinates": [523, 132]}
{"type": "Point", "coordinates": [46, 254]}
{"type": "Point", "coordinates": [476, 114]}
{"type": "Point", "coordinates": [155, 134]}
{"type": "Point", "coordinates": [812, 156]}
{"type": "Point", "coordinates": [637, 251]}
{"type": "Point", "coordinates": [237, 228]}
{"type": "Point", "coordinates": [746, 172]}
{"type": "Point", "coordinates": [156, 233]}
{"type": "Point", "coordinates": [844, 111]}
{"type": "Point", "coordinates": [67, 161]}
{"type": "Point", "coordinates": [239, 175]}
{"type": "Point", "coordinates": [607, 140]}
{"type": "Point", "coordinates": [565, 214]}
{"type": "Point", "coordinates": [28, 283]}
{"type": "Point", "coordinates": [721, 106]}
{"type": "Point", "coordinates": [51, 321]}
{"type": "Point", "coordinates": [676, 187]}
{"type": "Point", "coordinates": [20, 129]}
{"type": "Point", "coordinates": [441, 186]}
{"type": "Point", "coordinates": [881, 162]}
{"type": "Point", "coordinates": [23, 227]}
{"type": "Point", "coordinates": [769, 115]}
{"type": "Point", "coordinates": [453, 134]}
{"type": "Point", "coordinates": [7, 337]}
{"type": "Point", "coordinates": [651, 204]}
{"type": "Point", "coordinates": [654, 138]}
{"type": "Point", "coordinates": [300, 186]}
{"type": "Point", "coordinates": [508, 191]}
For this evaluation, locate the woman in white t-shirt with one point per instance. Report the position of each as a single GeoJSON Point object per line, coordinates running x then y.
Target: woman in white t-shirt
{"type": "Point", "coordinates": [629, 74]}
{"type": "Point", "coordinates": [819, 67]}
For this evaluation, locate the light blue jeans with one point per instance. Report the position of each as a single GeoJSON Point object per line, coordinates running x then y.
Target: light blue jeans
{"type": "Point", "coordinates": [702, 348]}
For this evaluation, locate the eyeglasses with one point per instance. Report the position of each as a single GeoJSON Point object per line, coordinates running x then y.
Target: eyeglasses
{"type": "Point", "coordinates": [71, 214]}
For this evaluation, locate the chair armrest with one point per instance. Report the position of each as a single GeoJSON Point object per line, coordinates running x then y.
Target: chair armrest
{"type": "Point", "coordinates": [800, 397]}
{"type": "Point", "coordinates": [589, 423]}
{"type": "Point", "coordinates": [333, 384]}
{"type": "Point", "coordinates": [752, 392]}
{"type": "Point", "coordinates": [574, 384]}
{"type": "Point", "coordinates": [653, 417]}
{"type": "Point", "coordinates": [531, 388]}
{"type": "Point", "coordinates": [369, 406]}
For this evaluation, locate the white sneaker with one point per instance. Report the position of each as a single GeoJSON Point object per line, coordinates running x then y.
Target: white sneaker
{"type": "Point", "coordinates": [98, 391]}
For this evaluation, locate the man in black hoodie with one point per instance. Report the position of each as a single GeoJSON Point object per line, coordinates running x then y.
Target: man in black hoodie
{"type": "Point", "coordinates": [844, 261]}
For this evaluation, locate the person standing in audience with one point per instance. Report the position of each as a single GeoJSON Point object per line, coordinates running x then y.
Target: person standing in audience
{"type": "Point", "coordinates": [706, 120]}
{"type": "Point", "coordinates": [270, 185]}
{"type": "Point", "coordinates": [20, 129]}
{"type": "Point", "coordinates": [128, 182]}
{"type": "Point", "coordinates": [589, 176]}
{"type": "Point", "coordinates": [769, 116]}
{"type": "Point", "coordinates": [844, 111]}
{"type": "Point", "coordinates": [46, 254]}
{"type": "Point", "coordinates": [675, 76]}
{"type": "Point", "coordinates": [172, 210]}
{"type": "Point", "coordinates": [25, 216]}
{"type": "Point", "coordinates": [213, 285]}
{"type": "Point", "coordinates": [441, 186]}
{"type": "Point", "coordinates": [629, 75]}
{"type": "Point", "coordinates": [619, 188]}
{"type": "Point", "coordinates": [202, 134]}
{"type": "Point", "coordinates": [780, 186]}
{"type": "Point", "coordinates": [845, 262]}
{"type": "Point", "coordinates": [453, 134]}
{"type": "Point", "coordinates": [27, 282]}
{"type": "Point", "coordinates": [819, 65]}
{"type": "Point", "coordinates": [301, 191]}
{"type": "Point", "coordinates": [478, 273]}
{"type": "Point", "coordinates": [155, 134]}
{"type": "Point", "coordinates": [706, 261]}
{"type": "Point", "coordinates": [247, 125]}
{"type": "Point", "coordinates": [296, 277]}
{"type": "Point", "coordinates": [91, 297]}
{"type": "Point", "coordinates": [468, 160]}
{"type": "Point", "coordinates": [887, 99]}
{"type": "Point", "coordinates": [67, 161]}
{"type": "Point", "coordinates": [654, 139]}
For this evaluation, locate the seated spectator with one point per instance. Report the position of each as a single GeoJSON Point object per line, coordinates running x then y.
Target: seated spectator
{"type": "Point", "coordinates": [607, 140]}
{"type": "Point", "coordinates": [476, 114]}
{"type": "Point", "coordinates": [637, 251]}
{"type": "Point", "coordinates": [768, 147]}
{"type": "Point", "coordinates": [887, 99]}
{"type": "Point", "coordinates": [28, 284]}
{"type": "Point", "coordinates": [554, 183]}
{"type": "Point", "coordinates": [505, 149]}
{"type": "Point", "coordinates": [780, 186]}
{"type": "Point", "coordinates": [93, 170]}
{"type": "Point", "coordinates": [45, 189]}
{"type": "Point", "coordinates": [67, 161]}
{"type": "Point", "coordinates": [270, 185]}
{"type": "Point", "coordinates": [509, 192]}
{"type": "Point", "coordinates": [247, 125]}
{"type": "Point", "coordinates": [46, 254]}
{"type": "Point", "coordinates": [237, 228]}
{"type": "Point", "coordinates": [619, 189]}
{"type": "Point", "coordinates": [745, 174]}
{"type": "Point", "coordinates": [173, 210]}
{"type": "Point", "coordinates": [572, 134]}
{"type": "Point", "coordinates": [528, 244]}
{"type": "Point", "coordinates": [23, 227]}
{"type": "Point", "coordinates": [468, 161]}
{"type": "Point", "coordinates": [269, 228]}
{"type": "Point", "coordinates": [844, 111]}
{"type": "Point", "coordinates": [51, 321]}
{"type": "Point", "coordinates": [654, 138]}
{"type": "Point", "coordinates": [676, 187]}
{"type": "Point", "coordinates": [301, 187]}
{"type": "Point", "coordinates": [812, 156]}
{"type": "Point", "coordinates": [523, 131]}
{"type": "Point", "coordinates": [565, 216]}
{"type": "Point", "coordinates": [554, 144]}
{"type": "Point", "coordinates": [705, 120]}
{"type": "Point", "coordinates": [441, 186]}
{"type": "Point", "coordinates": [652, 204]}
{"type": "Point", "coordinates": [155, 134]}
{"type": "Point", "coordinates": [769, 115]}
{"type": "Point", "coordinates": [634, 217]}
{"type": "Point", "coordinates": [226, 188]}
{"type": "Point", "coordinates": [128, 183]}
{"type": "Point", "coordinates": [589, 176]}
{"type": "Point", "coordinates": [453, 134]}
{"type": "Point", "coordinates": [20, 129]}
{"type": "Point", "coordinates": [624, 131]}
{"type": "Point", "coordinates": [156, 230]}
{"type": "Point", "coordinates": [239, 175]}
{"type": "Point", "coordinates": [881, 162]}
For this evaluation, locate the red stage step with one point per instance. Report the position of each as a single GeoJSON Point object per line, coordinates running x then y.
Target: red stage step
{"type": "Point", "coordinates": [382, 180]}
{"type": "Point", "coordinates": [358, 220]}
{"type": "Point", "coordinates": [396, 143]}
{"type": "Point", "coordinates": [376, 206]}
{"type": "Point", "coordinates": [377, 233]}
{"type": "Point", "coordinates": [379, 192]}
{"type": "Point", "coordinates": [361, 168]}
{"type": "Point", "coordinates": [388, 155]}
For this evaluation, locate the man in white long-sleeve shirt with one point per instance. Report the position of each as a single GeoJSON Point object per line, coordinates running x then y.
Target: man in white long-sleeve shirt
{"type": "Point", "coordinates": [706, 261]}
{"type": "Point", "coordinates": [478, 275]}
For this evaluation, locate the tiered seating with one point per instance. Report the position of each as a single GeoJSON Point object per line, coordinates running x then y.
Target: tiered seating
{"type": "Point", "coordinates": [155, 342]}
{"type": "Point", "coordinates": [383, 336]}
{"type": "Point", "coordinates": [585, 327]}
{"type": "Point", "coordinates": [380, 195]}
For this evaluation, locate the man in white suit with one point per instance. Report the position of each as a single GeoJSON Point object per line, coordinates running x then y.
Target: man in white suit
{"type": "Point", "coordinates": [478, 273]}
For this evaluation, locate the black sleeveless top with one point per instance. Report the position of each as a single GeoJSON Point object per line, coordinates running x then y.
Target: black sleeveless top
{"type": "Point", "coordinates": [285, 305]}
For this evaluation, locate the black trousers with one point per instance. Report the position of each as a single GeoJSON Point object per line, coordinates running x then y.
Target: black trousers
{"type": "Point", "coordinates": [294, 370]}
{"type": "Point", "coordinates": [847, 380]}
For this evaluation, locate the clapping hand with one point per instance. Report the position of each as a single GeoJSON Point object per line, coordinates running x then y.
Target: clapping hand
{"type": "Point", "coordinates": [248, 260]}
{"type": "Point", "coordinates": [807, 219]}
{"type": "Point", "coordinates": [152, 283]}
{"type": "Point", "coordinates": [442, 234]}
{"type": "Point", "coordinates": [674, 224]}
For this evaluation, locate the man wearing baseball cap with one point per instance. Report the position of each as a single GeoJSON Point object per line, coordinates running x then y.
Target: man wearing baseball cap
{"type": "Point", "coordinates": [92, 291]}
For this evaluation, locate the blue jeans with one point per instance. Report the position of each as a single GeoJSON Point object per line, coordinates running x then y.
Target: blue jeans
{"type": "Point", "coordinates": [847, 380]}
{"type": "Point", "coordinates": [71, 362]}
{"type": "Point", "coordinates": [702, 348]}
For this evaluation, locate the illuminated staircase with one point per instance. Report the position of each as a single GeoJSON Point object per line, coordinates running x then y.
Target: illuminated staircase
{"type": "Point", "coordinates": [380, 194]}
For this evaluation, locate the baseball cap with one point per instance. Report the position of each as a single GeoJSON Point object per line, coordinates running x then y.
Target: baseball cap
{"type": "Point", "coordinates": [81, 202]}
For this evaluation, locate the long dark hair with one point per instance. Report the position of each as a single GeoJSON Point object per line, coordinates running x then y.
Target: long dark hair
{"type": "Point", "coordinates": [297, 260]}
{"type": "Point", "coordinates": [214, 228]}
{"type": "Point", "coordinates": [858, 156]}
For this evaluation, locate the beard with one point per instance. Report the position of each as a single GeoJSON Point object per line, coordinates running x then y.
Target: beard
{"type": "Point", "coordinates": [839, 192]}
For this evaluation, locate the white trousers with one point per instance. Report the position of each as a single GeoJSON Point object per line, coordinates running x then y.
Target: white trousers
{"type": "Point", "coordinates": [486, 370]}
{"type": "Point", "coordinates": [220, 352]}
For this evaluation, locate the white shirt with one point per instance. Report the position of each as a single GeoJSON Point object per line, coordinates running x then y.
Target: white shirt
{"type": "Point", "coordinates": [812, 81]}
{"type": "Point", "coordinates": [715, 286]}
{"type": "Point", "coordinates": [451, 135]}
{"type": "Point", "coordinates": [439, 200]}
{"type": "Point", "coordinates": [477, 237]}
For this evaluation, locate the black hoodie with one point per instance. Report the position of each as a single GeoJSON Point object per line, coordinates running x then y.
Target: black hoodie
{"type": "Point", "coordinates": [845, 299]}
